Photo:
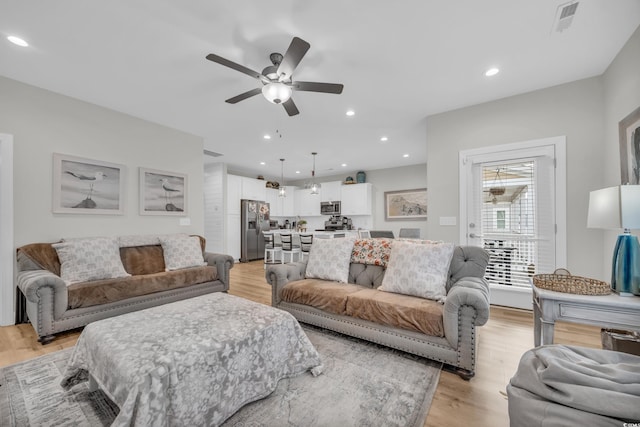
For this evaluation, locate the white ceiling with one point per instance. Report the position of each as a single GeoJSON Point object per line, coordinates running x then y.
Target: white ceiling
{"type": "Point", "coordinates": [399, 62]}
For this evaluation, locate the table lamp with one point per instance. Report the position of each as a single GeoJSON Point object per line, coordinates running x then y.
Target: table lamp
{"type": "Point", "coordinates": [619, 208]}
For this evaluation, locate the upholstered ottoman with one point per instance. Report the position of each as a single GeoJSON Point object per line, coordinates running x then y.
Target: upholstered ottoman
{"type": "Point", "coordinates": [562, 386]}
{"type": "Point", "coordinates": [191, 362]}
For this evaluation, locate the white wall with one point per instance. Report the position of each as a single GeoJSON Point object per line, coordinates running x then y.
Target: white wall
{"type": "Point", "coordinates": [622, 96]}
{"type": "Point", "coordinates": [574, 110]}
{"type": "Point", "coordinates": [44, 123]}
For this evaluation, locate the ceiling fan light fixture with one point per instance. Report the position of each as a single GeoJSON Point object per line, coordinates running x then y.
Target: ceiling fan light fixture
{"type": "Point", "coordinates": [276, 92]}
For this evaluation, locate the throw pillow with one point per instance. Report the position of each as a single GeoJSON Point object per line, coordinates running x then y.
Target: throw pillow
{"type": "Point", "coordinates": [83, 260]}
{"type": "Point", "coordinates": [418, 270]}
{"type": "Point", "coordinates": [181, 251]}
{"type": "Point", "coordinates": [371, 251]}
{"type": "Point", "coordinates": [329, 259]}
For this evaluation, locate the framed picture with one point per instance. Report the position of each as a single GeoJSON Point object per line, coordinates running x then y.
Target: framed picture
{"type": "Point", "coordinates": [405, 205]}
{"type": "Point", "coordinates": [629, 129]}
{"type": "Point", "coordinates": [162, 193]}
{"type": "Point", "coordinates": [84, 186]}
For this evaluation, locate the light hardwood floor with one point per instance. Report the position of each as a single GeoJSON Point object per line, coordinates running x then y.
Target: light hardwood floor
{"type": "Point", "coordinates": [479, 402]}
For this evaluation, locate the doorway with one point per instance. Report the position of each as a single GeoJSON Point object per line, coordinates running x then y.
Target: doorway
{"type": "Point", "coordinates": [513, 203]}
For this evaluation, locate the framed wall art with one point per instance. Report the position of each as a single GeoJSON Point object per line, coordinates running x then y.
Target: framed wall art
{"type": "Point", "coordinates": [405, 205]}
{"type": "Point", "coordinates": [629, 129]}
{"type": "Point", "coordinates": [85, 186]}
{"type": "Point", "coordinates": [162, 193]}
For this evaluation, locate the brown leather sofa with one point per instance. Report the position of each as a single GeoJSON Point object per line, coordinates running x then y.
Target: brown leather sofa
{"type": "Point", "coordinates": [53, 306]}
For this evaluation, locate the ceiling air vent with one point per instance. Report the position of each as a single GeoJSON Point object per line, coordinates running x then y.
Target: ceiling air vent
{"type": "Point", "coordinates": [212, 153]}
{"type": "Point", "coordinates": [564, 16]}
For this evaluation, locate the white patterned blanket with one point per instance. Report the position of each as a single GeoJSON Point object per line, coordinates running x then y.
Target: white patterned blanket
{"type": "Point", "coordinates": [192, 362]}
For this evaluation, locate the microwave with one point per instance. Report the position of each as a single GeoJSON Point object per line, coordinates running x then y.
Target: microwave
{"type": "Point", "coordinates": [330, 208]}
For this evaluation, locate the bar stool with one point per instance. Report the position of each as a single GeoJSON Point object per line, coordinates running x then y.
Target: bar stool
{"type": "Point", "coordinates": [288, 249]}
{"type": "Point", "coordinates": [272, 253]}
{"type": "Point", "coordinates": [306, 240]}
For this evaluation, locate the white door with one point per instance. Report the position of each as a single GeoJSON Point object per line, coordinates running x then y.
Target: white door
{"type": "Point", "coordinates": [514, 206]}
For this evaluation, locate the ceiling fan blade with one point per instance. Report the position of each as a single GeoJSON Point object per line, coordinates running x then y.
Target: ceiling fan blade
{"type": "Point", "coordinates": [318, 87]}
{"type": "Point", "coordinates": [248, 71]}
{"type": "Point", "coordinates": [292, 57]}
{"type": "Point", "coordinates": [243, 96]}
{"type": "Point", "coordinates": [291, 108]}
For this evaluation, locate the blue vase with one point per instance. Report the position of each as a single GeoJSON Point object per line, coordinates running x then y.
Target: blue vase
{"type": "Point", "coordinates": [361, 177]}
{"type": "Point", "coordinates": [625, 273]}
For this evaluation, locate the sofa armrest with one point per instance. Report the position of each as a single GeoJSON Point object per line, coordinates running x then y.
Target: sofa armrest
{"type": "Point", "coordinates": [278, 275]}
{"type": "Point", "coordinates": [468, 291]}
{"type": "Point", "coordinates": [223, 263]}
{"type": "Point", "coordinates": [44, 288]}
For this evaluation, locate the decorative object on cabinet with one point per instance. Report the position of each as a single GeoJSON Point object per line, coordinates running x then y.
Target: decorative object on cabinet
{"type": "Point", "coordinates": [619, 208]}
{"type": "Point", "coordinates": [349, 180]}
{"type": "Point", "coordinates": [361, 177]}
{"type": "Point", "coordinates": [162, 193]}
{"type": "Point", "coordinates": [272, 184]}
{"type": "Point", "coordinates": [85, 186]}
{"type": "Point", "coordinates": [629, 129]}
{"type": "Point", "coordinates": [313, 185]}
{"type": "Point", "coordinates": [405, 205]}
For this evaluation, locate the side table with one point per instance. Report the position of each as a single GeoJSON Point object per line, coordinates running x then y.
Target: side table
{"type": "Point", "coordinates": [607, 311]}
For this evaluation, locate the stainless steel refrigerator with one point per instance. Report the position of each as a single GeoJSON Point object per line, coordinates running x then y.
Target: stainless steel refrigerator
{"type": "Point", "coordinates": [254, 219]}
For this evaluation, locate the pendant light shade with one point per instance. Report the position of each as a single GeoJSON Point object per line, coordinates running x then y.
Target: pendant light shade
{"type": "Point", "coordinates": [283, 191]}
{"type": "Point", "coordinates": [313, 185]}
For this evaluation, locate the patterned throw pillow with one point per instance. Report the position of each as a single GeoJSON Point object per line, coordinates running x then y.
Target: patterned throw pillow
{"type": "Point", "coordinates": [418, 270]}
{"type": "Point", "coordinates": [329, 259]}
{"type": "Point", "coordinates": [82, 260]}
{"type": "Point", "coordinates": [181, 251]}
{"type": "Point", "coordinates": [371, 251]}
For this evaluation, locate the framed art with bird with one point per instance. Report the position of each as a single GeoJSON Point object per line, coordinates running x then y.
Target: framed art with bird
{"type": "Point", "coordinates": [162, 193]}
{"type": "Point", "coordinates": [85, 186]}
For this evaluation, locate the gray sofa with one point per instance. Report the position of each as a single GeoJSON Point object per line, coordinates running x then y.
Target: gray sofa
{"type": "Point", "coordinates": [466, 307]}
{"type": "Point", "coordinates": [52, 306]}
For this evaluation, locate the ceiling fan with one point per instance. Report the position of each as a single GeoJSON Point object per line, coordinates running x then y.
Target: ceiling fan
{"type": "Point", "coordinates": [277, 83]}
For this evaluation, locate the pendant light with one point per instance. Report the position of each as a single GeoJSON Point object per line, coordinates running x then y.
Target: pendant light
{"type": "Point", "coordinates": [315, 187]}
{"type": "Point", "coordinates": [283, 191]}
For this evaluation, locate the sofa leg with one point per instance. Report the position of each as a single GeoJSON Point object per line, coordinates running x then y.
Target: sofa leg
{"type": "Point", "coordinates": [46, 339]}
{"type": "Point", "coordinates": [465, 374]}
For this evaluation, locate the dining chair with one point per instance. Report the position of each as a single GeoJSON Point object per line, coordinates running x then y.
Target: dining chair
{"type": "Point", "coordinates": [272, 252]}
{"type": "Point", "coordinates": [306, 240]}
{"type": "Point", "coordinates": [289, 250]}
{"type": "Point", "coordinates": [364, 234]}
{"type": "Point", "coordinates": [378, 233]}
{"type": "Point", "coordinates": [409, 233]}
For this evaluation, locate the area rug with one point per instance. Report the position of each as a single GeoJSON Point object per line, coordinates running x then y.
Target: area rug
{"type": "Point", "coordinates": [363, 384]}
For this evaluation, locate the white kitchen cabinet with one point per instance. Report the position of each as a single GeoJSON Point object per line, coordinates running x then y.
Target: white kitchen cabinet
{"type": "Point", "coordinates": [234, 194]}
{"type": "Point", "coordinates": [275, 202]}
{"type": "Point", "coordinates": [253, 189]}
{"type": "Point", "coordinates": [232, 230]}
{"type": "Point", "coordinates": [330, 191]}
{"type": "Point", "coordinates": [307, 204]}
{"type": "Point", "coordinates": [288, 203]}
{"type": "Point", "coordinates": [356, 199]}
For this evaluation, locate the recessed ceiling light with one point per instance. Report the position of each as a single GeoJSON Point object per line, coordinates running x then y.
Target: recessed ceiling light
{"type": "Point", "coordinates": [344, 165]}
{"type": "Point", "coordinates": [405, 155]}
{"type": "Point", "coordinates": [491, 72]}
{"type": "Point", "coordinates": [267, 136]}
{"type": "Point", "coordinates": [18, 41]}
{"type": "Point", "coordinates": [384, 139]}
{"type": "Point", "coordinates": [297, 171]}
{"type": "Point", "coordinates": [262, 163]}
{"type": "Point", "coordinates": [350, 113]}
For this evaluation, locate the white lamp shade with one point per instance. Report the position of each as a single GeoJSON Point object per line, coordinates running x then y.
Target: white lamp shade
{"type": "Point", "coordinates": [615, 208]}
{"type": "Point", "coordinates": [276, 92]}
